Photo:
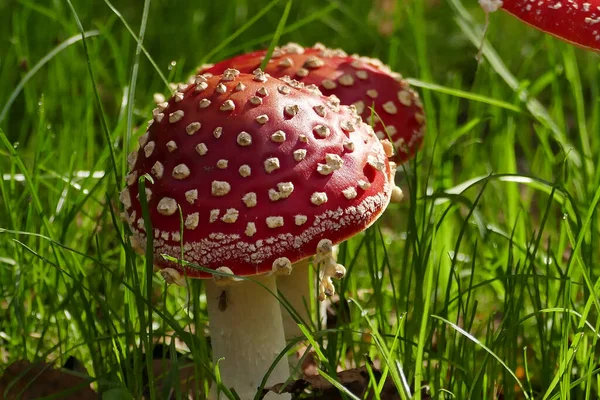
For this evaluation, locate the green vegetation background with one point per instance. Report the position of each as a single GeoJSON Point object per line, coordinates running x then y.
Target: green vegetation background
{"type": "Point", "coordinates": [485, 279]}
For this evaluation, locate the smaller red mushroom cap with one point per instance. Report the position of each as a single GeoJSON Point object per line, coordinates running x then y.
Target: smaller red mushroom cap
{"type": "Point", "coordinates": [355, 80]}
{"type": "Point", "coordinates": [263, 170]}
{"type": "Point", "coordinates": [575, 21]}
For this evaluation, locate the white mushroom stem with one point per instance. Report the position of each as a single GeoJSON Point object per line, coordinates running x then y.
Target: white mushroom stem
{"type": "Point", "coordinates": [247, 333]}
{"type": "Point", "coordinates": [295, 288]}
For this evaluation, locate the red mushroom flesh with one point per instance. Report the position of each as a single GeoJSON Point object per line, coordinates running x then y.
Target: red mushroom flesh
{"type": "Point", "coordinates": [574, 21]}
{"type": "Point", "coordinates": [359, 81]}
{"type": "Point", "coordinates": [266, 172]}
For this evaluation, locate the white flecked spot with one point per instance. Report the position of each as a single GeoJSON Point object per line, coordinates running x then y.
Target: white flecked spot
{"type": "Point", "coordinates": [166, 206]}
{"type": "Point", "coordinates": [250, 229]}
{"type": "Point", "coordinates": [201, 149]}
{"type": "Point", "coordinates": [204, 103]}
{"type": "Point", "coordinates": [285, 189]}
{"type": "Point", "coordinates": [227, 105]}
{"type": "Point", "coordinates": [175, 116]}
{"type": "Point", "coordinates": [321, 131]}
{"type": "Point", "coordinates": [299, 154]}
{"type": "Point", "coordinates": [220, 188]}
{"type": "Point", "coordinates": [303, 138]}
{"type": "Point", "coordinates": [218, 132]}
{"type": "Point", "coordinates": [360, 106]}
{"type": "Point", "coordinates": [158, 169]}
{"type": "Point", "coordinates": [178, 97]}
{"type": "Point", "coordinates": [300, 219]}
{"type": "Point", "coordinates": [259, 76]}
{"type": "Point", "coordinates": [201, 86]}
{"type": "Point", "coordinates": [142, 140]}
{"type": "Point", "coordinates": [390, 108]}
{"type": "Point", "coordinates": [333, 102]}
{"type": "Point", "coordinates": [349, 193]}
{"type": "Point", "coordinates": [346, 80]}
{"type": "Point", "coordinates": [364, 185]}
{"type": "Point", "coordinates": [239, 87]}
{"type": "Point", "coordinates": [230, 216]}
{"type": "Point", "coordinates": [328, 84]}
{"type": "Point", "coordinates": [255, 100]}
{"type": "Point", "coordinates": [348, 145]}
{"type": "Point", "coordinates": [132, 159]}
{"type": "Point", "coordinates": [192, 220]}
{"type": "Point", "coordinates": [149, 148]}
{"type": "Point", "coordinates": [286, 63]}
{"type": "Point", "coordinates": [372, 93]}
{"type": "Point", "coordinates": [302, 72]}
{"type": "Point", "coordinates": [292, 48]}
{"type": "Point", "coordinates": [131, 178]}
{"type": "Point", "coordinates": [274, 222]}
{"type": "Point", "coordinates": [193, 128]}
{"type": "Point", "coordinates": [249, 199]}
{"type": "Point", "coordinates": [191, 196]}
{"type": "Point", "coordinates": [221, 88]}
{"type": "Point", "coordinates": [333, 162]}
{"type": "Point", "coordinates": [214, 215]}
{"type": "Point", "coordinates": [171, 146]}
{"type": "Point", "coordinates": [262, 91]}
{"type": "Point", "coordinates": [405, 98]}
{"type": "Point", "coordinates": [347, 125]}
{"type": "Point", "coordinates": [375, 162]}
{"type": "Point", "coordinates": [318, 198]}
{"type": "Point", "coordinates": [283, 89]}
{"type": "Point", "coordinates": [273, 195]}
{"type": "Point", "coordinates": [148, 192]}
{"type": "Point", "coordinates": [159, 117]}
{"type": "Point", "coordinates": [320, 110]}
{"type": "Point", "coordinates": [125, 198]}
{"type": "Point", "coordinates": [222, 163]}
{"type": "Point", "coordinates": [262, 119]}
{"type": "Point", "coordinates": [278, 137]}
{"type": "Point", "coordinates": [160, 108]}
{"type": "Point", "coordinates": [245, 170]}
{"type": "Point", "coordinates": [271, 164]}
{"type": "Point", "coordinates": [313, 62]}
{"type": "Point", "coordinates": [244, 139]}
{"type": "Point", "coordinates": [181, 171]}
{"type": "Point", "coordinates": [291, 110]}
{"type": "Point", "coordinates": [362, 75]}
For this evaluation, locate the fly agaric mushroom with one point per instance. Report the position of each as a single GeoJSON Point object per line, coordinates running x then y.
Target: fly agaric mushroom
{"type": "Point", "coordinates": [360, 81]}
{"type": "Point", "coordinates": [575, 21]}
{"type": "Point", "coordinates": [266, 172]}
{"type": "Point", "coordinates": [355, 80]}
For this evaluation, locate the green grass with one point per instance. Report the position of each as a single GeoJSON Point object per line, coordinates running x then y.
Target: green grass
{"type": "Point", "coordinates": [484, 280]}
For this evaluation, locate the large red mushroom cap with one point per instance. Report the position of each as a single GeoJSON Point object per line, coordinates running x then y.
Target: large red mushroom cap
{"type": "Point", "coordinates": [359, 81]}
{"type": "Point", "coordinates": [263, 170]}
{"type": "Point", "coordinates": [575, 21]}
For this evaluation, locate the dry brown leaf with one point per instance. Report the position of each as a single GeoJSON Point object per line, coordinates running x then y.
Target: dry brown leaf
{"type": "Point", "coordinates": [24, 381]}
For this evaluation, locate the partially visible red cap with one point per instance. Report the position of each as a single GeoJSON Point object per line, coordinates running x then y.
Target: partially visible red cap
{"type": "Point", "coordinates": [262, 169]}
{"type": "Point", "coordinates": [575, 21]}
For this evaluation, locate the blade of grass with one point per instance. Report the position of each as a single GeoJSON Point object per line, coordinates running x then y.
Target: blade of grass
{"type": "Point", "coordinates": [102, 116]}
{"type": "Point", "coordinates": [39, 65]}
{"type": "Point", "coordinates": [276, 35]}
{"type": "Point", "coordinates": [484, 347]}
